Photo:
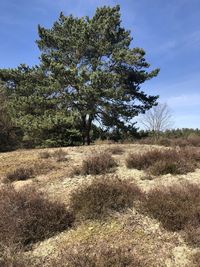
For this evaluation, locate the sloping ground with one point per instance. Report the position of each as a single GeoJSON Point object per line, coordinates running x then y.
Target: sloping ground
{"type": "Point", "coordinates": [143, 235]}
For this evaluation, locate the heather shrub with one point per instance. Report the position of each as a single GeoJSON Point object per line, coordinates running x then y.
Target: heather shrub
{"type": "Point", "coordinates": [28, 216]}
{"type": "Point", "coordinates": [26, 172]}
{"type": "Point", "coordinates": [115, 150]}
{"type": "Point", "coordinates": [164, 142]}
{"type": "Point", "coordinates": [9, 257]}
{"type": "Point", "coordinates": [98, 255]}
{"type": "Point", "coordinates": [21, 173]}
{"type": "Point", "coordinates": [194, 139]}
{"type": "Point", "coordinates": [180, 142]}
{"type": "Point", "coordinates": [103, 142]}
{"type": "Point", "coordinates": [98, 163]}
{"type": "Point", "coordinates": [59, 155]}
{"type": "Point", "coordinates": [44, 155]}
{"type": "Point", "coordinates": [161, 167]}
{"type": "Point", "coordinates": [159, 162]}
{"type": "Point", "coordinates": [192, 233]}
{"type": "Point", "coordinates": [43, 167]}
{"type": "Point", "coordinates": [144, 160]}
{"type": "Point", "coordinates": [174, 206]}
{"type": "Point", "coordinates": [195, 259]}
{"type": "Point", "coordinates": [103, 195]}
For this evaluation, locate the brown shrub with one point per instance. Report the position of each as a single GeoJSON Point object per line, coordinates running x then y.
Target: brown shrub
{"type": "Point", "coordinates": [102, 195]}
{"type": "Point", "coordinates": [181, 142]}
{"type": "Point", "coordinates": [194, 139]}
{"type": "Point", "coordinates": [143, 161]}
{"type": "Point", "coordinates": [195, 259]}
{"type": "Point", "coordinates": [21, 173]}
{"type": "Point", "coordinates": [44, 155]}
{"type": "Point", "coordinates": [26, 172]}
{"type": "Point", "coordinates": [59, 155]}
{"type": "Point", "coordinates": [192, 233]}
{"type": "Point", "coordinates": [103, 142]}
{"type": "Point", "coordinates": [115, 150]}
{"type": "Point", "coordinates": [175, 206]}
{"type": "Point", "coordinates": [164, 142]}
{"type": "Point", "coordinates": [159, 162]}
{"type": "Point", "coordinates": [99, 255]}
{"type": "Point", "coordinates": [98, 163]}
{"type": "Point", "coordinates": [161, 167]}
{"type": "Point", "coordinates": [43, 167]}
{"type": "Point", "coordinates": [27, 217]}
{"type": "Point", "coordinates": [9, 257]}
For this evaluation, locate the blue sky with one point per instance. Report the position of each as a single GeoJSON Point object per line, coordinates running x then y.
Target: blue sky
{"type": "Point", "coordinates": [169, 31]}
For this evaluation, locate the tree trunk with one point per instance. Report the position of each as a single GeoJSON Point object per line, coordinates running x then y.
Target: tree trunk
{"type": "Point", "coordinates": [83, 129]}
{"type": "Point", "coordinates": [88, 129]}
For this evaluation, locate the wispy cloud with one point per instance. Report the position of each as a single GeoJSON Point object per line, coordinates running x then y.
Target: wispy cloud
{"type": "Point", "coordinates": [184, 100]}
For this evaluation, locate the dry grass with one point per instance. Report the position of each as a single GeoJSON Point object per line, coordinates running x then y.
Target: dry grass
{"type": "Point", "coordinates": [103, 195]}
{"type": "Point", "coordinates": [121, 230]}
{"type": "Point", "coordinates": [28, 217]}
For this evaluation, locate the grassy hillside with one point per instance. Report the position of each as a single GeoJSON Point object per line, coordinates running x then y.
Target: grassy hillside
{"type": "Point", "coordinates": [103, 205]}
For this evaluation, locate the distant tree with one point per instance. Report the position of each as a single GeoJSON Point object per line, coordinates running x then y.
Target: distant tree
{"type": "Point", "coordinates": [157, 119]}
{"type": "Point", "coordinates": [94, 71]}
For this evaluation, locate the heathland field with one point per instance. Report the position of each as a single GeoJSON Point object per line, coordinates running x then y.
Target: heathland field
{"type": "Point", "coordinates": [106, 205]}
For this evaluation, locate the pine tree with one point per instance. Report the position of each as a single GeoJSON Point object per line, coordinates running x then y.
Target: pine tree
{"type": "Point", "coordinates": [98, 75]}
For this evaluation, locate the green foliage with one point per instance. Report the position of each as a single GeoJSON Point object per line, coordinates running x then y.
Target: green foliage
{"type": "Point", "coordinates": [98, 74]}
{"type": "Point", "coordinates": [9, 134]}
{"type": "Point", "coordinates": [87, 73]}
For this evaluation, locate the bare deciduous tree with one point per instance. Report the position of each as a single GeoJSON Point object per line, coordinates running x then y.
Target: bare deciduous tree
{"type": "Point", "coordinates": [157, 119]}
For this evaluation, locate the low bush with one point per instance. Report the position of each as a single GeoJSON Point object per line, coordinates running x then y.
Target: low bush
{"type": "Point", "coordinates": [172, 166]}
{"type": "Point", "coordinates": [26, 172]}
{"type": "Point", "coordinates": [27, 217]}
{"type": "Point", "coordinates": [9, 257]}
{"type": "Point", "coordinates": [102, 195]}
{"type": "Point", "coordinates": [98, 163]}
{"type": "Point", "coordinates": [159, 162]}
{"type": "Point", "coordinates": [194, 139]}
{"type": "Point", "coordinates": [176, 207]}
{"type": "Point", "coordinates": [195, 259]}
{"type": "Point", "coordinates": [143, 161]}
{"type": "Point", "coordinates": [59, 155]}
{"type": "Point", "coordinates": [115, 150]}
{"type": "Point", "coordinates": [164, 142]}
{"type": "Point", "coordinates": [99, 255]}
{"type": "Point", "coordinates": [44, 155]}
{"type": "Point", "coordinates": [21, 173]}
{"type": "Point", "coordinates": [180, 142]}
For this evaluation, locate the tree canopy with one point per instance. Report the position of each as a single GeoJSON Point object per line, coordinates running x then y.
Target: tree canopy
{"type": "Point", "coordinates": [88, 73]}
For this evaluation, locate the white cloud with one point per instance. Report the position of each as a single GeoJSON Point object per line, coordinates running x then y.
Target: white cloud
{"type": "Point", "coordinates": [184, 100]}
